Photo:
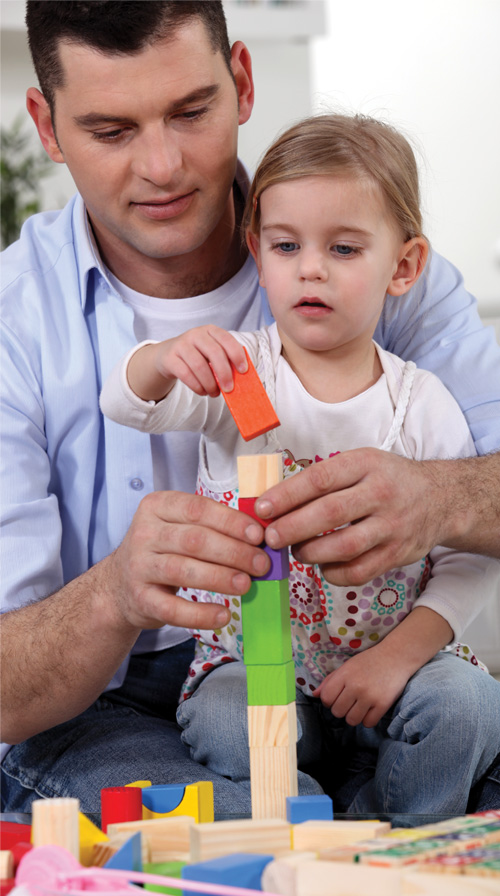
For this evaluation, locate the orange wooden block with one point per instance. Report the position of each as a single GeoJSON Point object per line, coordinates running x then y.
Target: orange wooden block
{"type": "Point", "coordinates": [249, 404]}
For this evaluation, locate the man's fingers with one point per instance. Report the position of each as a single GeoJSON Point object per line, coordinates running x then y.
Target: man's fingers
{"type": "Point", "coordinates": [165, 606]}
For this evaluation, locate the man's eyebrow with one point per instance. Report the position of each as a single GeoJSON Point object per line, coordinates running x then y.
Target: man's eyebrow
{"type": "Point", "coordinates": [93, 119]}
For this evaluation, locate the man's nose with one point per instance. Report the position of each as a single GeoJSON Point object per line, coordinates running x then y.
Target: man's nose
{"type": "Point", "coordinates": [158, 156]}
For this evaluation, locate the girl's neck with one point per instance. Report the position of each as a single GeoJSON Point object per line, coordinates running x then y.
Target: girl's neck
{"type": "Point", "coordinates": [336, 375]}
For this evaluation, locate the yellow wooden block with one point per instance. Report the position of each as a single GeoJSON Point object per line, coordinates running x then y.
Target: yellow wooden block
{"type": "Point", "coordinates": [257, 473]}
{"type": "Point", "coordinates": [141, 784]}
{"type": "Point", "coordinates": [198, 802]}
{"type": "Point", "coordinates": [89, 834]}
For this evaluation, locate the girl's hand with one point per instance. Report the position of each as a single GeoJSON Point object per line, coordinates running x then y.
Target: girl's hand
{"type": "Point", "coordinates": [202, 358]}
{"type": "Point", "coordinates": [364, 688]}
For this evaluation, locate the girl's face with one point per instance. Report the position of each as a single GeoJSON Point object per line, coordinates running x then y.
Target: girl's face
{"type": "Point", "coordinates": [328, 252]}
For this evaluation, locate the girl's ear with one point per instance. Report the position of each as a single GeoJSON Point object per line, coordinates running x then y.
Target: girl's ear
{"type": "Point", "coordinates": [253, 244]}
{"type": "Point", "coordinates": [411, 262]}
{"type": "Point", "coordinates": [38, 108]}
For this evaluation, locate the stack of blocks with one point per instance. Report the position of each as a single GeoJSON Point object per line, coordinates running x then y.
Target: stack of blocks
{"type": "Point", "coordinates": [267, 646]}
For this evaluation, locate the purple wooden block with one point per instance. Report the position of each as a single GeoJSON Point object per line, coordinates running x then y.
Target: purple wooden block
{"type": "Point", "coordinates": [279, 568]}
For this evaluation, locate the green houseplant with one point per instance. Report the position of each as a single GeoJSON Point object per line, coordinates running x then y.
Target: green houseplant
{"type": "Point", "coordinates": [22, 169]}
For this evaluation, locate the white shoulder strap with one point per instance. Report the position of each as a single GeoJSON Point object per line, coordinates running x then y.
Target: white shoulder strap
{"type": "Point", "coordinates": [402, 405]}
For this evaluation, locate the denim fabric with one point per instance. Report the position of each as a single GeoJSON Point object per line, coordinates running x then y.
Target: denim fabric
{"type": "Point", "coordinates": [127, 735]}
{"type": "Point", "coordinates": [420, 761]}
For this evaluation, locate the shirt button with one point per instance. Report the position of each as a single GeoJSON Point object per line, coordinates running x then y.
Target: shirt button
{"type": "Point", "coordinates": [136, 484]}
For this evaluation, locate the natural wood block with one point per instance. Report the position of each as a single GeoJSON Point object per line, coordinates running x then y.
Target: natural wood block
{"type": "Point", "coordinates": [6, 864]}
{"type": "Point", "coordinates": [265, 621]}
{"type": "Point", "coordinates": [249, 403]}
{"type": "Point", "coordinates": [331, 834]}
{"type": "Point", "coordinates": [324, 878]}
{"type": "Point", "coordinates": [273, 777]}
{"type": "Point", "coordinates": [165, 839]}
{"type": "Point", "coordinates": [272, 726]}
{"type": "Point", "coordinates": [269, 836]}
{"type": "Point", "coordinates": [56, 822]}
{"type": "Point", "coordinates": [422, 883]}
{"type": "Point", "coordinates": [257, 473]}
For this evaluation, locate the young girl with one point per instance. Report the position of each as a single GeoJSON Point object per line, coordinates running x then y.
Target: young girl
{"type": "Point", "coordinates": [334, 225]}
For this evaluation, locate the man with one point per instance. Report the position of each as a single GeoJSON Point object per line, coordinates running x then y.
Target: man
{"type": "Point", "coordinates": [142, 101]}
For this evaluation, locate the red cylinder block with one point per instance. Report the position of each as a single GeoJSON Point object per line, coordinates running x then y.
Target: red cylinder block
{"type": "Point", "coordinates": [120, 804]}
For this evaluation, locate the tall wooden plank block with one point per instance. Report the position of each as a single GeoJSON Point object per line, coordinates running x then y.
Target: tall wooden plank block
{"type": "Point", "coordinates": [56, 822]}
{"type": "Point", "coordinates": [257, 473]}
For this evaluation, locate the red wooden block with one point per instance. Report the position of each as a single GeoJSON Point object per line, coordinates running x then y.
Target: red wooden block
{"type": "Point", "coordinates": [120, 804]}
{"type": "Point", "coordinates": [247, 505]}
{"type": "Point", "coordinates": [12, 833]}
{"type": "Point", "coordinates": [249, 403]}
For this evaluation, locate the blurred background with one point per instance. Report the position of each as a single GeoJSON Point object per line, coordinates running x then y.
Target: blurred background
{"type": "Point", "coordinates": [432, 69]}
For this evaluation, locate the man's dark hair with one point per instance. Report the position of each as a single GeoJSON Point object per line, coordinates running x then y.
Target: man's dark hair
{"type": "Point", "coordinates": [112, 26]}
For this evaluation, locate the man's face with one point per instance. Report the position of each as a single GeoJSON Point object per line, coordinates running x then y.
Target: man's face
{"type": "Point", "coordinates": [151, 141]}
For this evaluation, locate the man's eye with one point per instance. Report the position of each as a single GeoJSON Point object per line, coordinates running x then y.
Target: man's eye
{"type": "Point", "coordinates": [193, 114]}
{"type": "Point", "coordinates": [109, 136]}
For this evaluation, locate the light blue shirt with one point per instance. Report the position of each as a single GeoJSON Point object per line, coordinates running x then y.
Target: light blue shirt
{"type": "Point", "coordinates": [72, 481]}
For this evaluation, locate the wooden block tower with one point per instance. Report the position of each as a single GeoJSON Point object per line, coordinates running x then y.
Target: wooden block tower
{"type": "Point", "coordinates": [265, 614]}
{"type": "Point", "coordinates": [267, 645]}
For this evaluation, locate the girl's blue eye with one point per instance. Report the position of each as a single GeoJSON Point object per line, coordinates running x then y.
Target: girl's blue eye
{"type": "Point", "coordinates": [345, 251]}
{"type": "Point", "coordinates": [286, 246]}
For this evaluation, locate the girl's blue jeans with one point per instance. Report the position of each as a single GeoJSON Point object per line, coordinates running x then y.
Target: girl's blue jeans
{"type": "Point", "coordinates": [422, 759]}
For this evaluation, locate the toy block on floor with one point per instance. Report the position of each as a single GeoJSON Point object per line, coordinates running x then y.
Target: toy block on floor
{"type": "Point", "coordinates": [273, 777]}
{"type": "Point", "coordinates": [247, 505]}
{"type": "Point", "coordinates": [6, 864]}
{"type": "Point", "coordinates": [308, 808]}
{"type": "Point", "coordinates": [265, 620]}
{"type": "Point", "coordinates": [129, 856]}
{"type": "Point", "coordinates": [120, 804]}
{"type": "Point", "coordinates": [89, 835]}
{"type": "Point", "coordinates": [197, 800]}
{"type": "Point", "coordinates": [163, 839]}
{"type": "Point", "coordinates": [316, 878]}
{"type": "Point", "coordinates": [333, 834]}
{"type": "Point", "coordinates": [257, 473]}
{"type": "Point", "coordinates": [169, 869]}
{"type": "Point", "coordinates": [11, 833]}
{"type": "Point", "coordinates": [269, 836]}
{"type": "Point", "coordinates": [55, 822]}
{"type": "Point", "coordinates": [240, 869]}
{"type": "Point", "coordinates": [272, 685]}
{"type": "Point", "coordinates": [249, 403]}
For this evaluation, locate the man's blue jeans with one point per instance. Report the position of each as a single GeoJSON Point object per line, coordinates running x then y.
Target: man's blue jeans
{"type": "Point", "coordinates": [419, 762]}
{"type": "Point", "coordinates": [127, 735]}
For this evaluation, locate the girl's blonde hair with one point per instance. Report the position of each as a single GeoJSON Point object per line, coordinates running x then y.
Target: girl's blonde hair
{"type": "Point", "coordinates": [343, 144]}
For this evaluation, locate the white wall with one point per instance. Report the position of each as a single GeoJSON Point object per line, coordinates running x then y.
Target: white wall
{"type": "Point", "coordinates": [433, 69]}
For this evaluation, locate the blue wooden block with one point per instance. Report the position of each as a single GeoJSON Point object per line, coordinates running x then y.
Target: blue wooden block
{"type": "Point", "coordinates": [240, 869]}
{"type": "Point", "coordinates": [308, 808]}
{"type": "Point", "coordinates": [163, 797]}
{"type": "Point", "coordinates": [129, 856]}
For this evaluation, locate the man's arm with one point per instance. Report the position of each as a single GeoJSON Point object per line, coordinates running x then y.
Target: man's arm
{"type": "Point", "coordinates": [60, 653]}
{"type": "Point", "coordinates": [398, 510]}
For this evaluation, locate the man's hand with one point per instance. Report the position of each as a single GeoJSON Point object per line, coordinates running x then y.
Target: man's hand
{"type": "Point", "coordinates": [178, 540]}
{"type": "Point", "coordinates": [380, 511]}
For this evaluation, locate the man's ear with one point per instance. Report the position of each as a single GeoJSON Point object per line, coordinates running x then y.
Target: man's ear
{"type": "Point", "coordinates": [241, 67]}
{"type": "Point", "coordinates": [38, 108]}
{"type": "Point", "coordinates": [411, 262]}
{"type": "Point", "coordinates": [253, 244]}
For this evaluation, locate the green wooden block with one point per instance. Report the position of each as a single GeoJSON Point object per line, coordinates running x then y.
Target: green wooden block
{"type": "Point", "coordinates": [169, 869]}
{"type": "Point", "coordinates": [265, 619]}
{"type": "Point", "coordinates": [271, 684]}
